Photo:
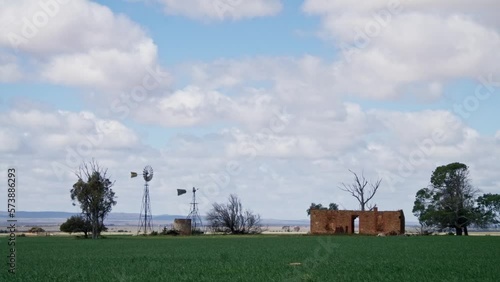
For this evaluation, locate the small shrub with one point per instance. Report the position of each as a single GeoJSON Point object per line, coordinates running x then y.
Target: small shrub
{"type": "Point", "coordinates": [164, 231]}
{"type": "Point", "coordinates": [197, 232]}
{"type": "Point", "coordinates": [169, 232]}
{"type": "Point", "coordinates": [172, 232]}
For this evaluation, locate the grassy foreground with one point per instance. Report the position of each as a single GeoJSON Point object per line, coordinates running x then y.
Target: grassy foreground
{"type": "Point", "coordinates": [255, 258]}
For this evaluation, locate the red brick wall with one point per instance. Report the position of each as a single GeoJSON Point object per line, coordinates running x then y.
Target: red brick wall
{"type": "Point", "coordinates": [370, 222]}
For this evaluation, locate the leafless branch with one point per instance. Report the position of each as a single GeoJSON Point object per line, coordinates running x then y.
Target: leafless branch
{"type": "Point", "coordinates": [358, 189]}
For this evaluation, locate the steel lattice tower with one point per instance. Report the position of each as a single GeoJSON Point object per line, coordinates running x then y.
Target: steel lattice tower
{"type": "Point", "coordinates": [196, 222]}
{"type": "Point", "coordinates": [146, 217]}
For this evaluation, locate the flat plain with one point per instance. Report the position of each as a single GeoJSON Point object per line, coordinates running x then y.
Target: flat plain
{"type": "Point", "coordinates": [255, 258]}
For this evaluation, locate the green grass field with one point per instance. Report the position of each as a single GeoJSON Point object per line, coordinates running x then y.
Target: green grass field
{"type": "Point", "coordinates": [255, 258]}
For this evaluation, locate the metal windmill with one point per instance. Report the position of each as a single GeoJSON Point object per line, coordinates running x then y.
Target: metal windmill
{"type": "Point", "coordinates": [145, 217]}
{"type": "Point", "coordinates": [196, 222]}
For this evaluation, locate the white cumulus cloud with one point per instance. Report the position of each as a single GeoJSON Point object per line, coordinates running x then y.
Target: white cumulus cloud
{"type": "Point", "coordinates": [77, 43]}
{"type": "Point", "coordinates": [386, 48]}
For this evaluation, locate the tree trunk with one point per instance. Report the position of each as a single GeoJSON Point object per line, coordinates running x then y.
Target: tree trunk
{"type": "Point", "coordinates": [458, 231]}
{"type": "Point", "coordinates": [466, 233]}
{"type": "Point", "coordinates": [95, 227]}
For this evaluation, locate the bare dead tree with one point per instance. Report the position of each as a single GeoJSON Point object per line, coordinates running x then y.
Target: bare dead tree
{"type": "Point", "coordinates": [362, 190]}
{"type": "Point", "coordinates": [230, 218]}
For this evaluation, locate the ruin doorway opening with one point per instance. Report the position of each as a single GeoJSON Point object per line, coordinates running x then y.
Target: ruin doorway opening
{"type": "Point", "coordinates": [354, 224]}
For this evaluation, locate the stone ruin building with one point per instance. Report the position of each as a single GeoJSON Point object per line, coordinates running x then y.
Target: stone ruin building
{"type": "Point", "coordinates": [372, 222]}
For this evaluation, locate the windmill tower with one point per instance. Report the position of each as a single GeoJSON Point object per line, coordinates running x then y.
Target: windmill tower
{"type": "Point", "coordinates": [146, 217]}
{"type": "Point", "coordinates": [196, 223]}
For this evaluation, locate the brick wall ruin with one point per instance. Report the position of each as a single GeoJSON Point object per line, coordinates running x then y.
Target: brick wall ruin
{"type": "Point", "coordinates": [370, 222]}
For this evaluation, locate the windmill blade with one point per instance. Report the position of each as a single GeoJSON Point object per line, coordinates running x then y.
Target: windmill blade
{"type": "Point", "coordinates": [181, 191]}
{"type": "Point", "coordinates": [148, 173]}
{"type": "Point", "coordinates": [133, 174]}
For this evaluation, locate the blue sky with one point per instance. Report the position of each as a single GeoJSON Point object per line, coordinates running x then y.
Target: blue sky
{"type": "Point", "coordinates": [267, 86]}
{"type": "Point", "coordinates": [289, 33]}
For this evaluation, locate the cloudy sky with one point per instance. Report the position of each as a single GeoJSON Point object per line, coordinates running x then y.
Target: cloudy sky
{"type": "Point", "coordinates": [272, 100]}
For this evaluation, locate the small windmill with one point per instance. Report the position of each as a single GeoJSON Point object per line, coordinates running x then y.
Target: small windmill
{"type": "Point", "coordinates": [196, 222]}
{"type": "Point", "coordinates": [145, 217]}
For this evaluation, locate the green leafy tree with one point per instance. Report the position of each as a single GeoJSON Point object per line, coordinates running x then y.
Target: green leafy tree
{"type": "Point", "coordinates": [76, 224]}
{"type": "Point", "coordinates": [94, 194]}
{"type": "Point", "coordinates": [455, 194]}
{"type": "Point", "coordinates": [488, 206]}
{"type": "Point", "coordinates": [333, 207]}
{"type": "Point", "coordinates": [449, 202]}
{"type": "Point", "coordinates": [314, 206]}
{"type": "Point", "coordinates": [424, 209]}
